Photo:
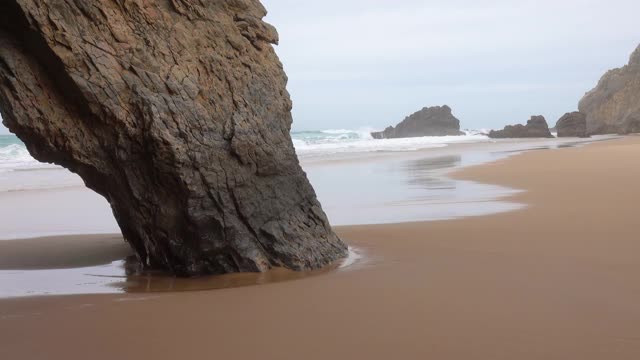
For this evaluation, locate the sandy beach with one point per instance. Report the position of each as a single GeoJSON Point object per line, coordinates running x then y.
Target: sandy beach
{"type": "Point", "coordinates": [554, 280]}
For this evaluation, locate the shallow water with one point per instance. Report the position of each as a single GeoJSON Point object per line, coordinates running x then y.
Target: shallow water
{"type": "Point", "coordinates": [368, 188]}
{"type": "Point", "coordinates": [389, 191]}
{"type": "Point", "coordinates": [112, 279]}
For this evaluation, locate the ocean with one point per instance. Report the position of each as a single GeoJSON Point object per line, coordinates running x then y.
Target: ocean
{"type": "Point", "coordinates": [337, 141]}
{"type": "Point", "coordinates": [15, 157]}
{"type": "Point", "coordinates": [38, 199]}
{"type": "Point", "coordinates": [357, 179]}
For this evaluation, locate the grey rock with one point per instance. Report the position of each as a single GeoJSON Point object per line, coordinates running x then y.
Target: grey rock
{"type": "Point", "coordinates": [177, 113]}
{"type": "Point", "coordinates": [613, 106]}
{"type": "Point", "coordinates": [430, 121]}
{"type": "Point", "coordinates": [536, 127]}
{"type": "Point", "coordinates": [573, 124]}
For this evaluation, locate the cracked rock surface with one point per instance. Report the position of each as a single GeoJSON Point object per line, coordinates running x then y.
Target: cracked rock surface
{"type": "Point", "coordinates": [176, 111]}
{"type": "Point", "coordinates": [430, 121]}
{"type": "Point", "coordinates": [613, 106]}
{"type": "Point", "coordinates": [573, 124]}
{"type": "Point", "coordinates": [536, 127]}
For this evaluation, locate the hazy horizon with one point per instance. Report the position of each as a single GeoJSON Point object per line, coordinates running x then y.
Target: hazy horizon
{"type": "Point", "coordinates": [495, 63]}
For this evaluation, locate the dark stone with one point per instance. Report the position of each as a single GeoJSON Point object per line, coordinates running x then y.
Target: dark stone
{"type": "Point", "coordinates": [432, 121]}
{"type": "Point", "coordinates": [631, 125]}
{"type": "Point", "coordinates": [177, 113]}
{"type": "Point", "coordinates": [573, 124]}
{"type": "Point", "coordinates": [613, 106]}
{"type": "Point", "coordinates": [536, 127]}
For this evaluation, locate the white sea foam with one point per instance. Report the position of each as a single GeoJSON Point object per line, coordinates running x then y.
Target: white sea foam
{"type": "Point", "coordinates": [15, 157]}
{"type": "Point", "coordinates": [335, 141]}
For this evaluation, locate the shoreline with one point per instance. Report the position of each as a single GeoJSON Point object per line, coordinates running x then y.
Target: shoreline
{"type": "Point", "coordinates": [105, 253]}
{"type": "Point", "coordinates": [555, 280]}
{"type": "Point", "coordinates": [399, 186]}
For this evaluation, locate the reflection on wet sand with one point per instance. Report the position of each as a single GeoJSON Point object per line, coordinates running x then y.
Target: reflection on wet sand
{"type": "Point", "coordinates": [433, 195]}
{"type": "Point", "coordinates": [154, 282]}
{"type": "Point", "coordinates": [150, 282]}
{"type": "Point", "coordinates": [405, 190]}
{"type": "Point", "coordinates": [387, 189]}
{"type": "Point", "coordinates": [428, 173]}
{"type": "Point", "coordinates": [54, 273]}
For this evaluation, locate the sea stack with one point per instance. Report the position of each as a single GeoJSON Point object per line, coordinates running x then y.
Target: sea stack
{"type": "Point", "coordinates": [613, 106]}
{"type": "Point", "coordinates": [536, 127]}
{"type": "Point", "coordinates": [573, 124]}
{"type": "Point", "coordinates": [177, 113]}
{"type": "Point", "coordinates": [430, 121]}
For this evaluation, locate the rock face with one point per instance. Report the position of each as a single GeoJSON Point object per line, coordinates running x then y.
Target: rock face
{"type": "Point", "coordinates": [432, 121]}
{"type": "Point", "coordinates": [573, 124]}
{"type": "Point", "coordinates": [536, 128]}
{"type": "Point", "coordinates": [177, 113]}
{"type": "Point", "coordinates": [613, 106]}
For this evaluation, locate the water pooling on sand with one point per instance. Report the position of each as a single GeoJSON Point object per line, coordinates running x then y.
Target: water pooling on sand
{"type": "Point", "coordinates": [112, 279]}
{"type": "Point", "coordinates": [392, 191]}
{"type": "Point", "coordinates": [354, 188]}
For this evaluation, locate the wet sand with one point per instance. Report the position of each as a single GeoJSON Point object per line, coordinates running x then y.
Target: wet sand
{"type": "Point", "coordinates": [555, 280]}
{"type": "Point", "coordinates": [62, 252]}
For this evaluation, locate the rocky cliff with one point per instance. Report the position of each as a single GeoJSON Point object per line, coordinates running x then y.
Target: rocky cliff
{"type": "Point", "coordinates": [176, 112]}
{"type": "Point", "coordinates": [536, 127]}
{"type": "Point", "coordinates": [613, 106]}
{"type": "Point", "coordinates": [573, 124]}
{"type": "Point", "coordinates": [430, 121]}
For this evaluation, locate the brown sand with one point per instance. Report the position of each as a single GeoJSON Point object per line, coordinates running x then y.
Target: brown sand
{"type": "Point", "coordinates": [62, 252]}
{"type": "Point", "coordinates": [557, 280]}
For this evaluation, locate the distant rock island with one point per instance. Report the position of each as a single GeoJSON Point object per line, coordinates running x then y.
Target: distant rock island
{"type": "Point", "coordinates": [573, 124]}
{"type": "Point", "coordinates": [536, 127]}
{"type": "Point", "coordinates": [613, 106]}
{"type": "Point", "coordinates": [430, 121]}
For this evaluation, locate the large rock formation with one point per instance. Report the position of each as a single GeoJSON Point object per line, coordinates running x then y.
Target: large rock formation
{"type": "Point", "coordinates": [176, 112]}
{"type": "Point", "coordinates": [573, 124]}
{"type": "Point", "coordinates": [432, 121]}
{"type": "Point", "coordinates": [536, 127]}
{"type": "Point", "coordinates": [613, 106]}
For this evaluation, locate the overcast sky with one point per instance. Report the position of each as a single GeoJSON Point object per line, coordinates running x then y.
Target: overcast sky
{"type": "Point", "coordinates": [369, 63]}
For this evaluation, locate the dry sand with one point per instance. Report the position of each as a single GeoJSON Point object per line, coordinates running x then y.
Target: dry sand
{"type": "Point", "coordinates": [557, 280]}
